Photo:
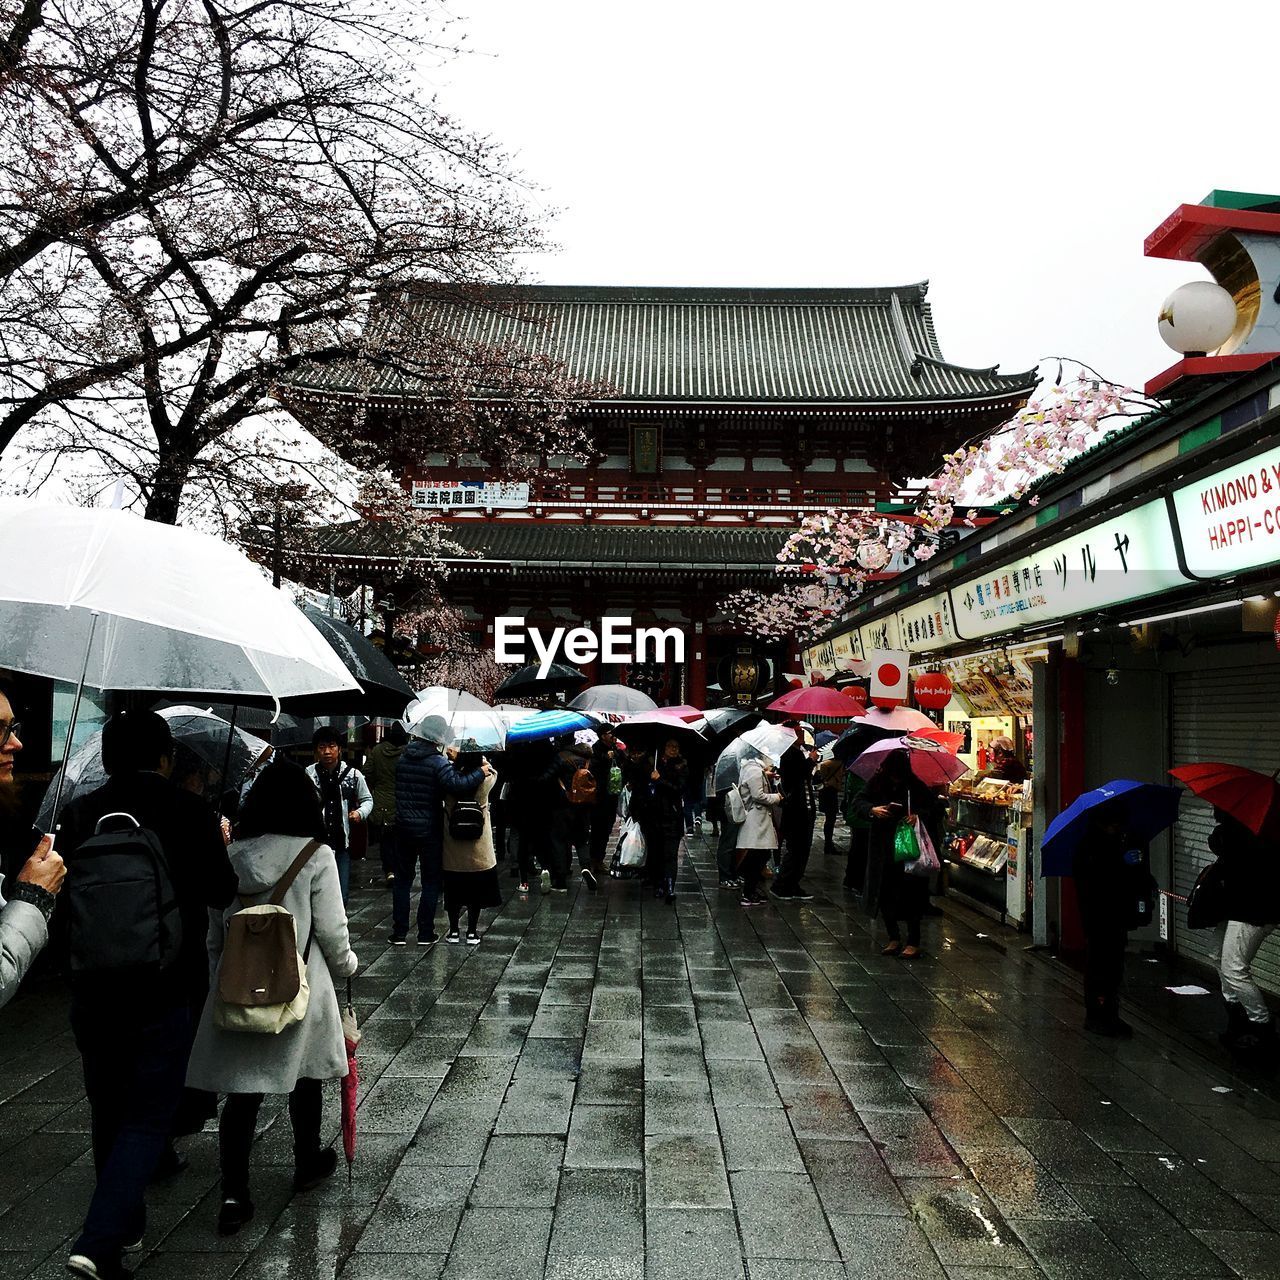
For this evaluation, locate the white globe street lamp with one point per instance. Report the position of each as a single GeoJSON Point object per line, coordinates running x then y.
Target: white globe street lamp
{"type": "Point", "coordinates": [1197, 318]}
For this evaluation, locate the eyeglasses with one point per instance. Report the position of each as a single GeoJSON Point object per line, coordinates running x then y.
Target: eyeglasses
{"type": "Point", "coordinates": [7, 731]}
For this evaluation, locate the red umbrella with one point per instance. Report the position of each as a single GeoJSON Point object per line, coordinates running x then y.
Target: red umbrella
{"type": "Point", "coordinates": [819, 702]}
{"type": "Point", "coordinates": [350, 1082]}
{"type": "Point", "coordinates": [1251, 797]}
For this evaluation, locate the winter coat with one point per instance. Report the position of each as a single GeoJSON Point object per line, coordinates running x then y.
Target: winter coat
{"type": "Point", "coordinates": [380, 774]}
{"type": "Point", "coordinates": [1250, 873]}
{"type": "Point", "coordinates": [795, 771]}
{"type": "Point", "coordinates": [423, 778]}
{"type": "Point", "coordinates": [758, 798]}
{"type": "Point", "coordinates": [23, 933]}
{"type": "Point", "coordinates": [669, 791]}
{"type": "Point", "coordinates": [243, 1061]}
{"type": "Point", "coordinates": [471, 855]}
{"type": "Point", "coordinates": [355, 794]}
{"type": "Point", "coordinates": [885, 875]}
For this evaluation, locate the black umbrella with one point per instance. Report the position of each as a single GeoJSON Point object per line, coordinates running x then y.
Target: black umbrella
{"type": "Point", "coordinates": [726, 723]}
{"type": "Point", "coordinates": [383, 690]}
{"type": "Point", "coordinates": [857, 738]}
{"type": "Point", "coordinates": [527, 683]}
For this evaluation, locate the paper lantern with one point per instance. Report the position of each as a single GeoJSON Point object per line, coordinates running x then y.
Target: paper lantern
{"type": "Point", "coordinates": [933, 690]}
{"type": "Point", "coordinates": [858, 694]}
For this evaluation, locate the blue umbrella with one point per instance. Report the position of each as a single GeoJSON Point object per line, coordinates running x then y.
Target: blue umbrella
{"type": "Point", "coordinates": [1150, 809]}
{"type": "Point", "coordinates": [824, 737]}
{"type": "Point", "coordinates": [548, 724]}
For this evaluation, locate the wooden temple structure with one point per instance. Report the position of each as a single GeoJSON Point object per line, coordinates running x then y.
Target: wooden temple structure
{"type": "Point", "coordinates": [725, 416]}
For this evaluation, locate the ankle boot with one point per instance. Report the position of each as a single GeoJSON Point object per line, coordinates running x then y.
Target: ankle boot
{"type": "Point", "coordinates": [1237, 1024]}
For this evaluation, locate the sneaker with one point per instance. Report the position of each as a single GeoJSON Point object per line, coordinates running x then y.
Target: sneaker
{"type": "Point", "coordinates": [233, 1215]}
{"type": "Point", "coordinates": [589, 879]}
{"type": "Point", "coordinates": [784, 895]}
{"type": "Point", "coordinates": [312, 1171]}
{"type": "Point", "coordinates": [428, 939]}
{"type": "Point", "coordinates": [559, 888]}
{"type": "Point", "coordinates": [473, 939]}
{"type": "Point", "coordinates": [80, 1264]}
{"type": "Point", "coordinates": [730, 884]}
{"type": "Point", "coordinates": [755, 900]}
{"type": "Point", "coordinates": [397, 939]}
{"type": "Point", "coordinates": [544, 881]}
{"type": "Point", "coordinates": [453, 936]}
{"type": "Point", "coordinates": [802, 894]}
{"type": "Point", "coordinates": [522, 887]}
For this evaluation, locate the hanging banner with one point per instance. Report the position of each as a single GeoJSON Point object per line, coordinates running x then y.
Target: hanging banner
{"type": "Point", "coordinates": [927, 625]}
{"type": "Point", "coordinates": [881, 634]}
{"type": "Point", "coordinates": [452, 494]}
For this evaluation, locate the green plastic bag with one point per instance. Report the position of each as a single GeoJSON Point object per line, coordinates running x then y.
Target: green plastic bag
{"type": "Point", "coordinates": [906, 848]}
{"type": "Point", "coordinates": [615, 780]}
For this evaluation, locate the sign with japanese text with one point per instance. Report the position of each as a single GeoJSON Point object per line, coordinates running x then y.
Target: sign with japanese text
{"type": "Point", "coordinates": [479, 494]}
{"type": "Point", "coordinates": [1230, 521]}
{"type": "Point", "coordinates": [1125, 558]}
{"type": "Point", "coordinates": [881, 634]}
{"type": "Point", "coordinates": [927, 624]}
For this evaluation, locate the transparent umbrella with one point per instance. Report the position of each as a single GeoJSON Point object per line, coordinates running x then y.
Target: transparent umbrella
{"type": "Point", "coordinates": [465, 717]}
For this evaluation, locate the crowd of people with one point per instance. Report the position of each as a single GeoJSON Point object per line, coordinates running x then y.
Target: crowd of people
{"type": "Point", "coordinates": [158, 961]}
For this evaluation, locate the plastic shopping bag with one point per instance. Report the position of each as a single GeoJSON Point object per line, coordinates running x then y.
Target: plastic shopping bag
{"type": "Point", "coordinates": [927, 863]}
{"type": "Point", "coordinates": [906, 840]}
{"type": "Point", "coordinates": [631, 845]}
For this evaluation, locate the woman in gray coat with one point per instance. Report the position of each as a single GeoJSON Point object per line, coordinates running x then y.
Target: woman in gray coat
{"type": "Point", "coordinates": [758, 835]}
{"type": "Point", "coordinates": [281, 815]}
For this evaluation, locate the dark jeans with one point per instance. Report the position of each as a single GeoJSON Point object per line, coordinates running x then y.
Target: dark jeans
{"type": "Point", "coordinates": [413, 852]}
{"type": "Point", "coordinates": [135, 1062]}
{"type": "Point", "coordinates": [797, 832]}
{"type": "Point", "coordinates": [727, 843]}
{"type": "Point", "coordinates": [579, 830]}
{"type": "Point", "coordinates": [235, 1133]}
{"type": "Point", "coordinates": [343, 857]}
{"type": "Point", "coordinates": [749, 868]}
{"type": "Point", "coordinates": [557, 849]}
{"type": "Point", "coordinates": [603, 816]}
{"type": "Point", "coordinates": [829, 805]}
{"type": "Point", "coordinates": [385, 832]}
{"type": "Point", "coordinates": [1104, 968]}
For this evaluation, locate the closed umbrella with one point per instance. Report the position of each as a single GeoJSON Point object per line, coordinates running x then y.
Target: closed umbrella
{"type": "Point", "coordinates": [930, 761]}
{"type": "Point", "coordinates": [1150, 807]}
{"type": "Point", "coordinates": [107, 599]}
{"type": "Point", "coordinates": [612, 701]}
{"type": "Point", "coordinates": [351, 1081]}
{"type": "Point", "coordinates": [465, 716]}
{"type": "Point", "coordinates": [1248, 796]}
{"type": "Point", "coordinates": [528, 683]}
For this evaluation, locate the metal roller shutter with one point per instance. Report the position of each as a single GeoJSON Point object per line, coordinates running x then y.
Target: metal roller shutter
{"type": "Point", "coordinates": [1231, 715]}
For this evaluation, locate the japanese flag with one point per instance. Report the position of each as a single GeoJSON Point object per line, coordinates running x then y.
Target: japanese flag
{"type": "Point", "coordinates": [888, 676]}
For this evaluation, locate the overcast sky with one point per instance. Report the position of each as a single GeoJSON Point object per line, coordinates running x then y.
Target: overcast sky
{"type": "Point", "coordinates": [1015, 155]}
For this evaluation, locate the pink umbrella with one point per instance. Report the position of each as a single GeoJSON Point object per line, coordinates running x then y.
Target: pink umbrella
{"type": "Point", "coordinates": [819, 701]}
{"type": "Point", "coordinates": [350, 1082]}
{"type": "Point", "coordinates": [682, 712]}
{"type": "Point", "coordinates": [904, 719]}
{"type": "Point", "coordinates": [930, 761]}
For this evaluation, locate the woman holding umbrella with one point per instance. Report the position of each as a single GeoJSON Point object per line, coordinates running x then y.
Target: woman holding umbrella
{"type": "Point", "coordinates": [894, 791]}
{"type": "Point", "coordinates": [670, 779]}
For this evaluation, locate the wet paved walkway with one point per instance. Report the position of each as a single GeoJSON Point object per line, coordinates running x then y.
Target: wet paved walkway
{"type": "Point", "coordinates": [608, 1087]}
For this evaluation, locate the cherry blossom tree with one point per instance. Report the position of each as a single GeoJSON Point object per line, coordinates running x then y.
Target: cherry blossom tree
{"type": "Point", "coordinates": [202, 199]}
{"type": "Point", "coordinates": [844, 548]}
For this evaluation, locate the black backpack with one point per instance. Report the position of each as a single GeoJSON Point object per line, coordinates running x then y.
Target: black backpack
{"type": "Point", "coordinates": [466, 820]}
{"type": "Point", "coordinates": [121, 900]}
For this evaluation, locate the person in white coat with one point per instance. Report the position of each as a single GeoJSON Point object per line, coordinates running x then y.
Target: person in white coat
{"type": "Point", "coordinates": [280, 817]}
{"type": "Point", "coordinates": [758, 834]}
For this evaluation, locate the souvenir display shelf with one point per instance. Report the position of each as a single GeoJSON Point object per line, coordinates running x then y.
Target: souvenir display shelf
{"type": "Point", "coordinates": [985, 836]}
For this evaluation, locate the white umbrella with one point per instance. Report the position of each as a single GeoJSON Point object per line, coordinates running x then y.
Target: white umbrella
{"type": "Point", "coordinates": [464, 715]}
{"type": "Point", "coordinates": [765, 740]}
{"type": "Point", "coordinates": [110, 600]}
{"type": "Point", "coordinates": [104, 598]}
{"type": "Point", "coordinates": [607, 701]}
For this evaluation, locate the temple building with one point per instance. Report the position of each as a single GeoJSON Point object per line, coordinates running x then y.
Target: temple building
{"type": "Point", "coordinates": [723, 417]}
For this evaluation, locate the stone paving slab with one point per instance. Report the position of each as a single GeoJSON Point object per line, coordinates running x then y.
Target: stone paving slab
{"type": "Point", "coordinates": [612, 1087]}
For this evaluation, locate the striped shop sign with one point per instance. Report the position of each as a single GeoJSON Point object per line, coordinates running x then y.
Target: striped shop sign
{"type": "Point", "coordinates": [1232, 715]}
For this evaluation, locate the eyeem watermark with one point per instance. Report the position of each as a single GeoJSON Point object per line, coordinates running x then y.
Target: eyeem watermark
{"type": "Point", "coordinates": [619, 641]}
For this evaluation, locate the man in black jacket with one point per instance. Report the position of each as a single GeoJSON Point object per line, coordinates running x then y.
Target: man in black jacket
{"type": "Point", "coordinates": [799, 813]}
{"type": "Point", "coordinates": [604, 813]}
{"type": "Point", "coordinates": [134, 1032]}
